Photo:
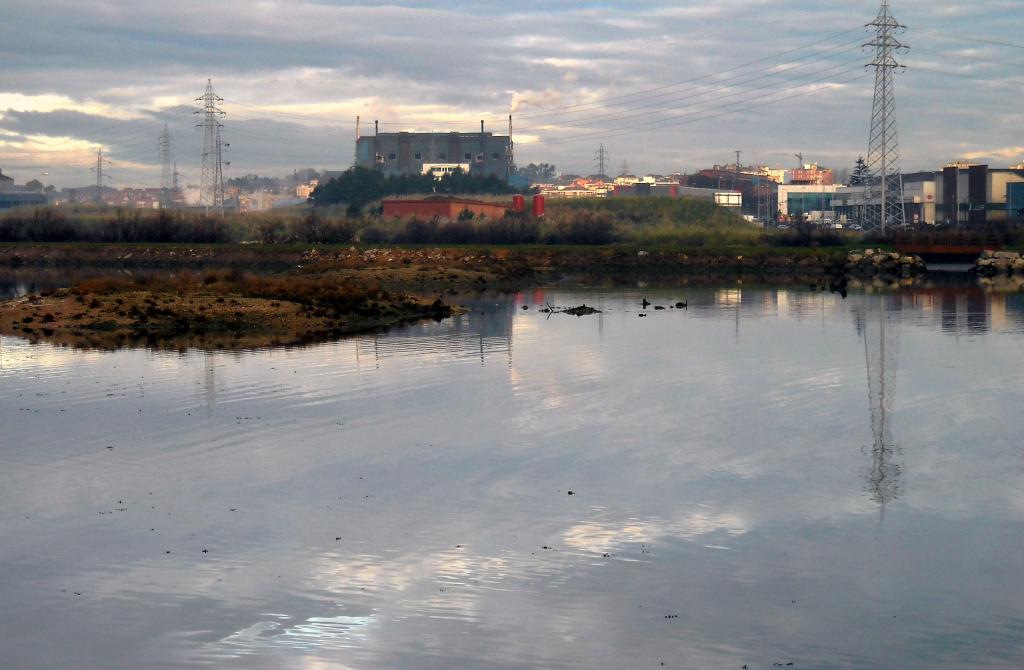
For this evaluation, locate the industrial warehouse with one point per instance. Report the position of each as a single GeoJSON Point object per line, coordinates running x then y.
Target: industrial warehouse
{"type": "Point", "coordinates": [405, 153]}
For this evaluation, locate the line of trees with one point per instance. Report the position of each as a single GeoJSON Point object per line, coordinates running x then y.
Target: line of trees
{"type": "Point", "coordinates": [358, 186]}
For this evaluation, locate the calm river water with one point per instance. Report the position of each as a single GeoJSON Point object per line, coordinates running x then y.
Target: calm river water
{"type": "Point", "coordinates": [767, 477]}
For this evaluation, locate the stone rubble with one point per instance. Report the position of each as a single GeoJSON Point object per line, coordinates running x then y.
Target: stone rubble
{"type": "Point", "coordinates": [993, 263]}
{"type": "Point", "coordinates": [875, 262]}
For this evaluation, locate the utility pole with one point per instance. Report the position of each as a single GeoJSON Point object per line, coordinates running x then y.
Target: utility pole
{"type": "Point", "coordinates": [100, 161]}
{"type": "Point", "coordinates": [165, 148]}
{"type": "Point", "coordinates": [211, 189]}
{"type": "Point", "coordinates": [602, 160]}
{"type": "Point", "coordinates": [883, 146]}
{"type": "Point", "coordinates": [511, 150]}
{"type": "Point", "coordinates": [356, 162]}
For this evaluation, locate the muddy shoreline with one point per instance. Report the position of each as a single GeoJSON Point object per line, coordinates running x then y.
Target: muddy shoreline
{"type": "Point", "coordinates": [210, 311]}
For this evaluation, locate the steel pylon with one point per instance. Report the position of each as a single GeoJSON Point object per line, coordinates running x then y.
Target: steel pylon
{"type": "Point", "coordinates": [885, 186]}
{"type": "Point", "coordinates": [211, 191]}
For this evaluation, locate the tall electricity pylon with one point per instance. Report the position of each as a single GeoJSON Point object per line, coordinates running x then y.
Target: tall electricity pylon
{"type": "Point", "coordinates": [211, 190]}
{"type": "Point", "coordinates": [886, 182]}
{"type": "Point", "coordinates": [166, 148]}
{"type": "Point", "coordinates": [601, 160]}
{"type": "Point", "coordinates": [100, 162]}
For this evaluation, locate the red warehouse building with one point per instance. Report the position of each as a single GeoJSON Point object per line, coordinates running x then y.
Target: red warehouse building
{"type": "Point", "coordinates": [442, 208]}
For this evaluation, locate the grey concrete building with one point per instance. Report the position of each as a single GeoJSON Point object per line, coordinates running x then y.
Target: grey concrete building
{"type": "Point", "coordinates": [480, 153]}
{"type": "Point", "coordinates": [959, 194]}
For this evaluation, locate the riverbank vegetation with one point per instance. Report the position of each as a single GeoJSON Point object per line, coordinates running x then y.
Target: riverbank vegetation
{"type": "Point", "coordinates": [680, 222]}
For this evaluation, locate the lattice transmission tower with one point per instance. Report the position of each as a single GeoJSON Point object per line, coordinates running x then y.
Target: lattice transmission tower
{"type": "Point", "coordinates": [100, 176]}
{"type": "Point", "coordinates": [211, 189]}
{"type": "Point", "coordinates": [165, 146]}
{"type": "Point", "coordinates": [601, 159]}
{"type": "Point", "coordinates": [885, 192]}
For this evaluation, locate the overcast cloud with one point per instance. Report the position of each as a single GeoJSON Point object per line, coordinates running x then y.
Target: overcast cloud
{"type": "Point", "coordinates": [665, 85]}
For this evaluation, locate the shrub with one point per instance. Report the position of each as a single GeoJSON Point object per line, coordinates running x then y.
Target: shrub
{"type": "Point", "coordinates": [416, 231]}
{"type": "Point", "coordinates": [372, 235]}
{"type": "Point", "coordinates": [461, 231]}
{"type": "Point", "coordinates": [582, 227]}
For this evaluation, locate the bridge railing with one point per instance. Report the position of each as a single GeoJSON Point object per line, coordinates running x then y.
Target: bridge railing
{"type": "Point", "coordinates": [952, 239]}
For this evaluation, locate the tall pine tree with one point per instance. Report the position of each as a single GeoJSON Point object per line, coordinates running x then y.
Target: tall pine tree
{"type": "Point", "coordinates": [860, 173]}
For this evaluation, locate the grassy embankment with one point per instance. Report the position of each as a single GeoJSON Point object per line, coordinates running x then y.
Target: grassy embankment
{"type": "Point", "coordinates": [679, 222]}
{"type": "Point", "coordinates": [606, 235]}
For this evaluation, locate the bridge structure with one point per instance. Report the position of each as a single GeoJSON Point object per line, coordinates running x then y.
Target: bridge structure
{"type": "Point", "coordinates": [949, 245]}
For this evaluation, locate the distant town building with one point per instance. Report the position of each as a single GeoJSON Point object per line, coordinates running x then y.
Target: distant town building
{"type": "Point", "coordinates": [721, 198]}
{"type": "Point", "coordinates": [408, 153]}
{"type": "Point", "coordinates": [440, 170]}
{"type": "Point", "coordinates": [811, 174]}
{"type": "Point", "coordinates": [578, 187]}
{"type": "Point", "coordinates": [261, 201]}
{"type": "Point", "coordinates": [12, 196]}
{"type": "Point", "coordinates": [14, 199]}
{"type": "Point", "coordinates": [304, 190]}
{"type": "Point", "coordinates": [811, 200]}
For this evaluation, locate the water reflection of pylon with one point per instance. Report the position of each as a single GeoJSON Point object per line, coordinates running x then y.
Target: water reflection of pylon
{"type": "Point", "coordinates": [881, 349]}
{"type": "Point", "coordinates": [210, 382]}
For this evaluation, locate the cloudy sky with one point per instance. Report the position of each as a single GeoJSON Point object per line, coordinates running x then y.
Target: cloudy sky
{"type": "Point", "coordinates": [665, 85]}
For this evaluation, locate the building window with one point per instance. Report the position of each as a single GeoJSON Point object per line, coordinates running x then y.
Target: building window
{"type": "Point", "coordinates": [443, 157]}
{"type": "Point", "coordinates": [469, 157]}
{"type": "Point", "coordinates": [391, 157]}
{"type": "Point", "coordinates": [495, 156]}
{"type": "Point", "coordinates": [419, 157]}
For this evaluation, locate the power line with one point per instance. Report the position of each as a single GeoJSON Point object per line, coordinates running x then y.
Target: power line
{"type": "Point", "coordinates": [967, 38]}
{"type": "Point", "coordinates": [741, 66]}
{"type": "Point", "coordinates": [693, 117]}
{"type": "Point", "coordinates": [681, 119]}
{"type": "Point", "coordinates": [988, 80]}
{"type": "Point", "coordinates": [772, 70]}
{"type": "Point", "coordinates": [811, 76]}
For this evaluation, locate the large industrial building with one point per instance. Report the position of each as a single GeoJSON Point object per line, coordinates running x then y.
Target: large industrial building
{"type": "Point", "coordinates": [12, 197]}
{"type": "Point", "coordinates": [404, 153]}
{"type": "Point", "coordinates": [959, 194]}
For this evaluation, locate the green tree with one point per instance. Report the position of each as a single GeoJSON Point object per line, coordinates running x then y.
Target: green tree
{"type": "Point", "coordinates": [861, 173]}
